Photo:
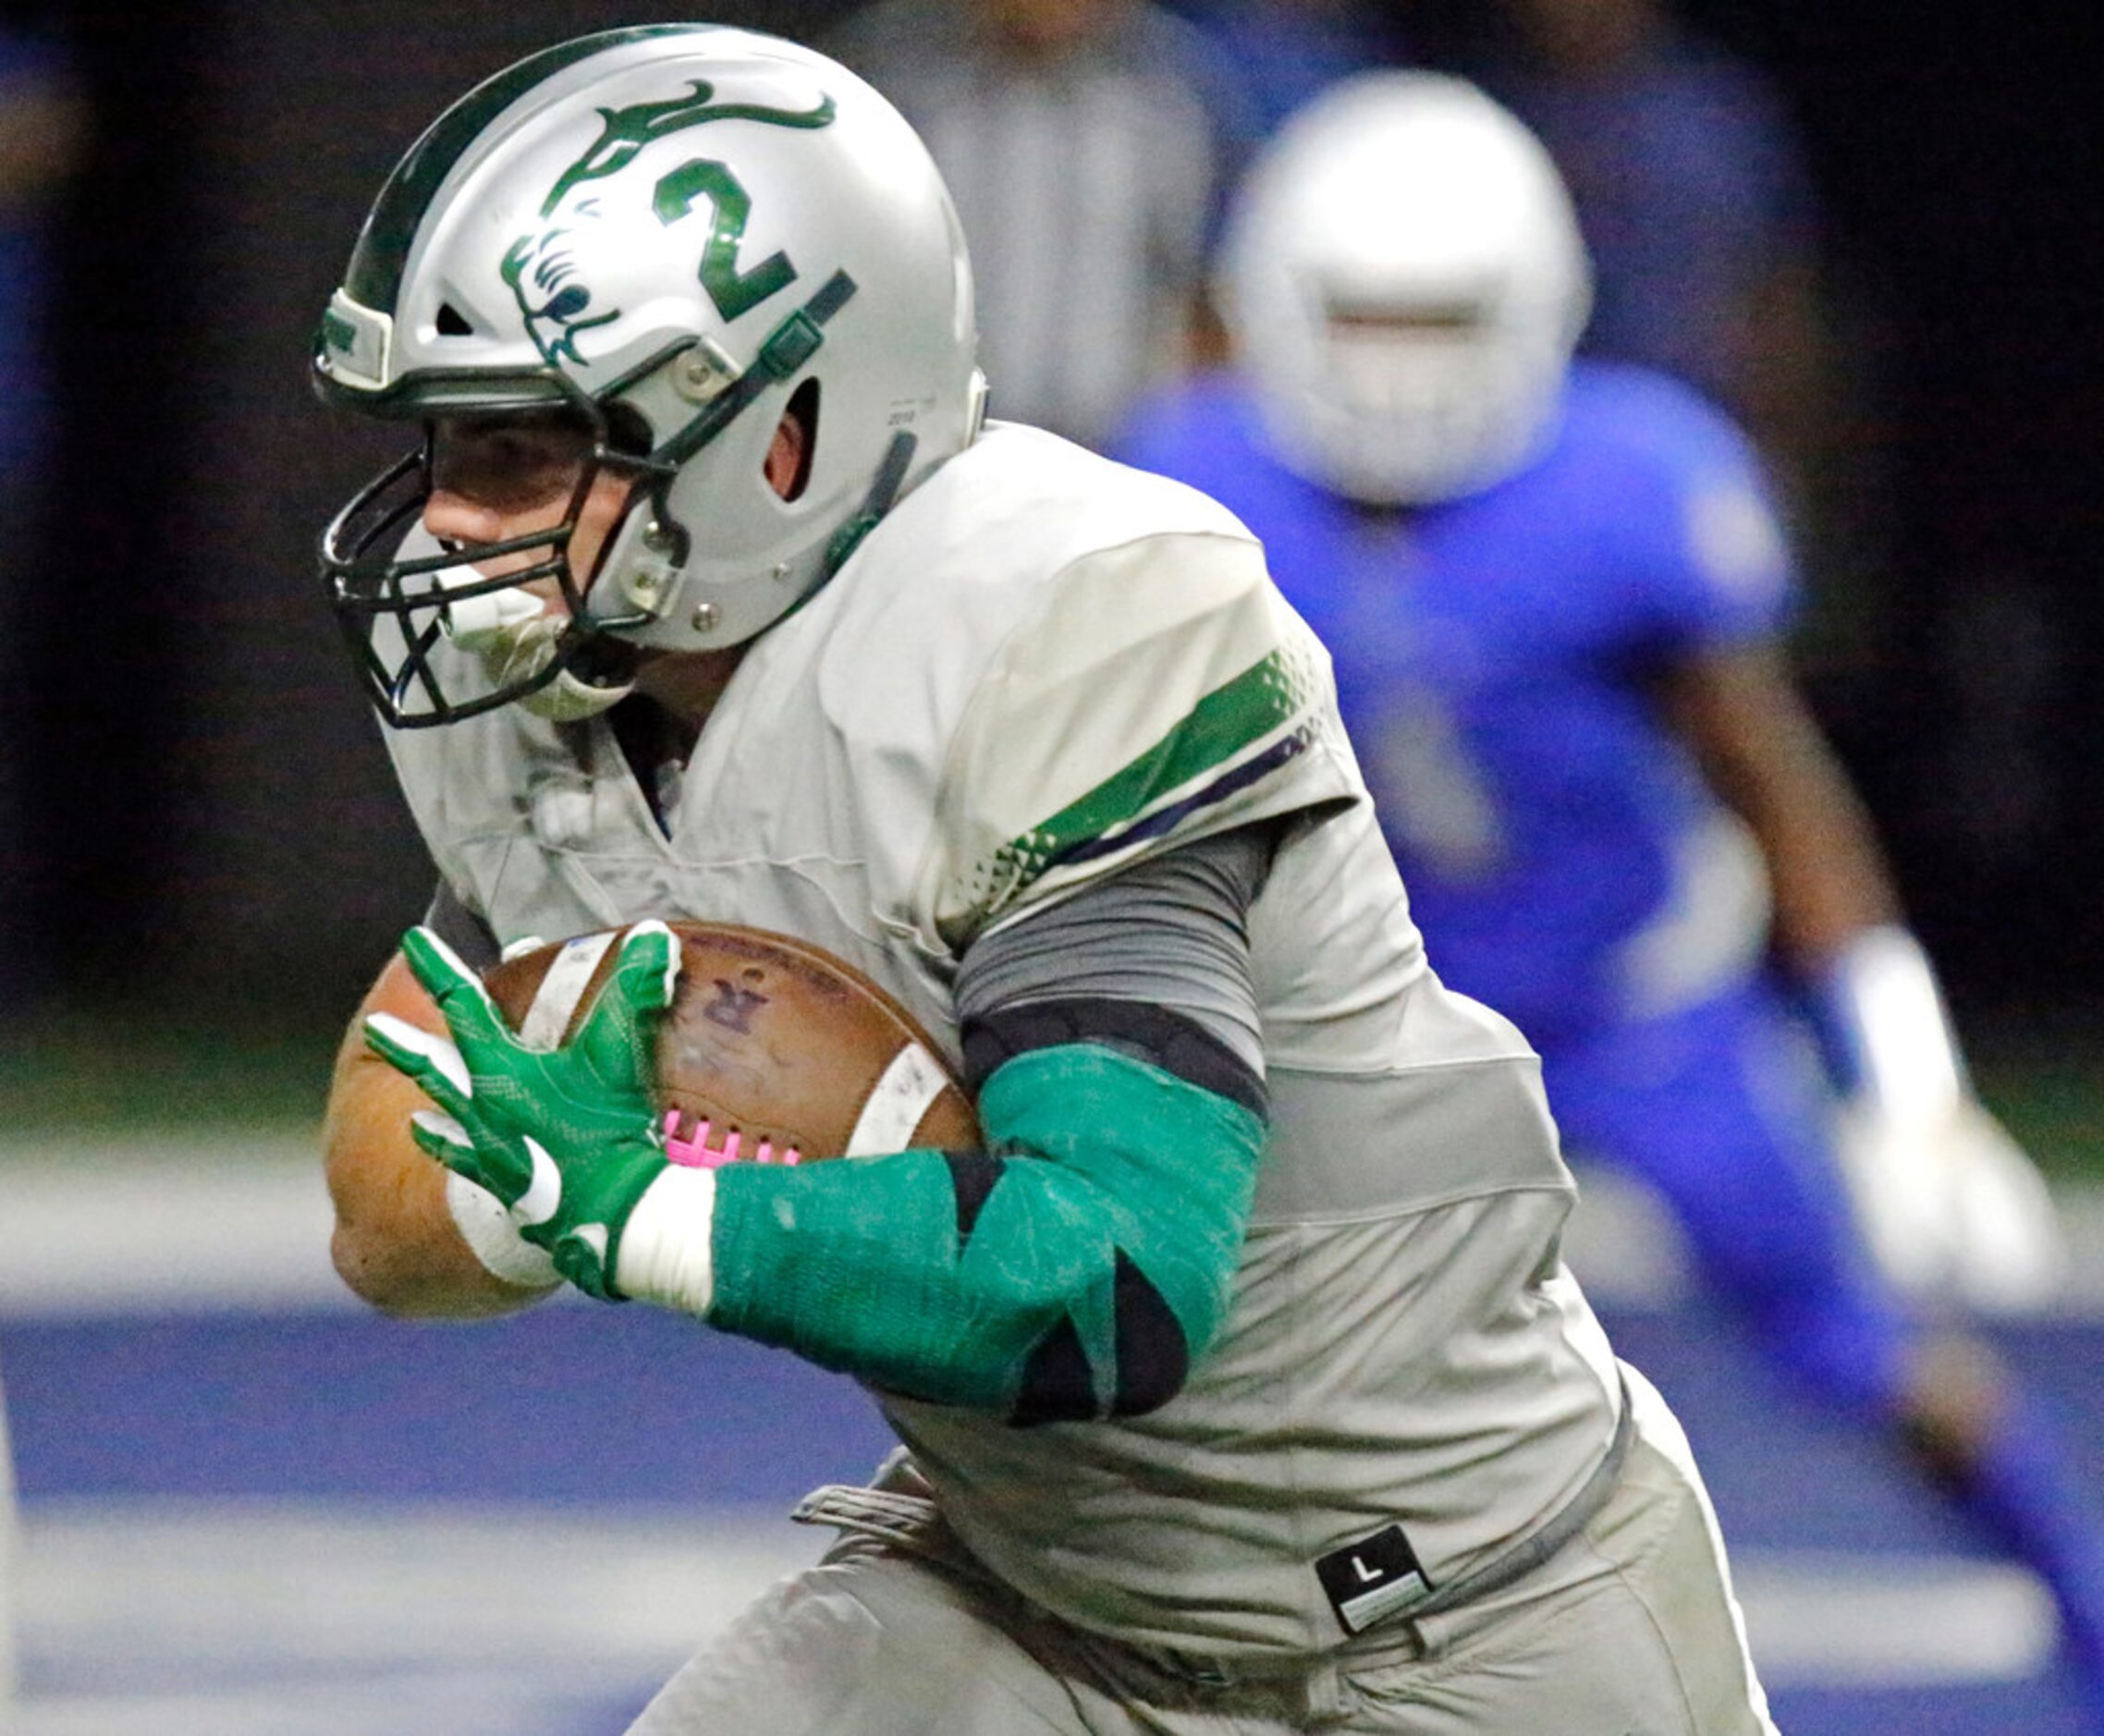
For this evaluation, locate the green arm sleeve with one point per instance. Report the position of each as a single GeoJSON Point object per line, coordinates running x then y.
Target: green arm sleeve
{"type": "Point", "coordinates": [1075, 1268]}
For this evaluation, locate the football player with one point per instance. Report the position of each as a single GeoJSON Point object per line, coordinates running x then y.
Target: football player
{"type": "Point", "coordinates": [1240, 1383]}
{"type": "Point", "coordinates": [1555, 592]}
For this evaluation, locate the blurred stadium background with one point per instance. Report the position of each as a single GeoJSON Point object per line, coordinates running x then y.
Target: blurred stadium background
{"type": "Point", "coordinates": [248, 1508]}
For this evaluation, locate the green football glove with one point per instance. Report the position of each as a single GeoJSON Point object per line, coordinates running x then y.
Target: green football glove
{"type": "Point", "coordinates": [565, 1139]}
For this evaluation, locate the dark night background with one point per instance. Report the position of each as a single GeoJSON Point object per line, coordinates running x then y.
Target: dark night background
{"type": "Point", "coordinates": [214, 816]}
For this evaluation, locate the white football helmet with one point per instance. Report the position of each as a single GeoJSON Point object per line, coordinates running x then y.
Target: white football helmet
{"type": "Point", "coordinates": [668, 233]}
{"type": "Point", "coordinates": [1404, 281]}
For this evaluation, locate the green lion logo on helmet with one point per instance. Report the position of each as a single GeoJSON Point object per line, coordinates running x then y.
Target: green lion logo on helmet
{"type": "Point", "coordinates": [541, 271]}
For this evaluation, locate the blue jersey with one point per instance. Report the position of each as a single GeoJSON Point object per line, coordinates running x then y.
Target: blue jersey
{"type": "Point", "coordinates": [1497, 659]}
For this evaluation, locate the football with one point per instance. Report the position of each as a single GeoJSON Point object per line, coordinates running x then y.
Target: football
{"type": "Point", "coordinates": [774, 1050]}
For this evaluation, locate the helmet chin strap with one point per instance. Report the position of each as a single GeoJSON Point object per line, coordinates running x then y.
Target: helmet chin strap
{"type": "Point", "coordinates": [571, 699]}
{"type": "Point", "coordinates": [517, 639]}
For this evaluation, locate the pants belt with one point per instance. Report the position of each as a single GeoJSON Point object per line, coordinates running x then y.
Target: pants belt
{"type": "Point", "coordinates": [914, 1522]}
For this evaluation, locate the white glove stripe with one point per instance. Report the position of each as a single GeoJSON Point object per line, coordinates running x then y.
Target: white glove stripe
{"type": "Point", "coordinates": [545, 1193]}
{"type": "Point", "coordinates": [471, 979]}
{"type": "Point", "coordinates": [439, 1051]}
{"type": "Point", "coordinates": [446, 1127]}
{"type": "Point", "coordinates": [495, 1240]}
{"type": "Point", "coordinates": [654, 927]}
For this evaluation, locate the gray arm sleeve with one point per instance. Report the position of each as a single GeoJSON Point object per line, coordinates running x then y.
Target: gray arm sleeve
{"type": "Point", "coordinates": [1170, 933]}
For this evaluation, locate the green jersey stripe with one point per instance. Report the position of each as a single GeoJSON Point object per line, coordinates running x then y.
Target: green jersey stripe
{"type": "Point", "coordinates": [1232, 721]}
{"type": "Point", "coordinates": [374, 277]}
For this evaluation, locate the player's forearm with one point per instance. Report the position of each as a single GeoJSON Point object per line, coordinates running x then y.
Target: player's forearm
{"type": "Point", "coordinates": [398, 1242]}
{"type": "Point", "coordinates": [1832, 889]}
{"type": "Point", "coordinates": [1769, 760]}
{"type": "Point", "coordinates": [1828, 872]}
{"type": "Point", "coordinates": [1078, 1273]}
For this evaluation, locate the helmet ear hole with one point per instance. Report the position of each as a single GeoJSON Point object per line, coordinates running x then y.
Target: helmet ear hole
{"type": "Point", "coordinates": [801, 417]}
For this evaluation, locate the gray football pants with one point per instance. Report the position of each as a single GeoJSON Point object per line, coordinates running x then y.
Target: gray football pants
{"type": "Point", "coordinates": [1630, 1630]}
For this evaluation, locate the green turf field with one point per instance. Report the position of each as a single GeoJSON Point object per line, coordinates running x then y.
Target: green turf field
{"type": "Point", "coordinates": [2049, 1089]}
{"type": "Point", "coordinates": [77, 1071]}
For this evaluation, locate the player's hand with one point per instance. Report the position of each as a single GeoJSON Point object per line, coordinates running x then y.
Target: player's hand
{"type": "Point", "coordinates": [1954, 1209]}
{"type": "Point", "coordinates": [566, 1138]}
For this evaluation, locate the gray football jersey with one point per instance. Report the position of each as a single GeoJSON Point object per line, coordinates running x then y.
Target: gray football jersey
{"type": "Point", "coordinates": [1041, 667]}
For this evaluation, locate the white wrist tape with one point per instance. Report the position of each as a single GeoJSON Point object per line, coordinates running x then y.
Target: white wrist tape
{"type": "Point", "coordinates": [664, 1256]}
{"type": "Point", "coordinates": [1883, 998]}
{"type": "Point", "coordinates": [495, 1240]}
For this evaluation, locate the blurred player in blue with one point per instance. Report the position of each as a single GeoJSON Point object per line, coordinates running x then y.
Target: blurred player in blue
{"type": "Point", "coordinates": [1555, 592]}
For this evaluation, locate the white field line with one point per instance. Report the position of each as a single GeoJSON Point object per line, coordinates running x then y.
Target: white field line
{"type": "Point", "coordinates": [220, 1606]}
